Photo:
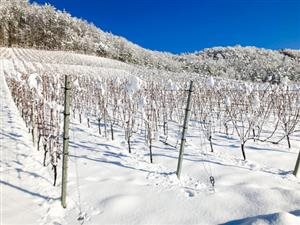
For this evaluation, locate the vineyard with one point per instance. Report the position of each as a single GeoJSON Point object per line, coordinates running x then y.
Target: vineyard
{"type": "Point", "coordinates": [235, 129]}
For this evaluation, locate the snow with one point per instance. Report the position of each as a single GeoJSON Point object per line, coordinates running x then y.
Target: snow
{"type": "Point", "coordinates": [108, 185]}
{"type": "Point", "coordinates": [34, 82]}
{"type": "Point", "coordinates": [76, 84]}
{"type": "Point", "coordinates": [133, 85]}
{"type": "Point", "coordinates": [285, 81]}
{"type": "Point", "coordinates": [227, 101]}
{"type": "Point", "coordinates": [281, 218]}
{"type": "Point", "coordinates": [210, 82]}
{"type": "Point", "coordinates": [256, 102]}
{"type": "Point", "coordinates": [171, 86]}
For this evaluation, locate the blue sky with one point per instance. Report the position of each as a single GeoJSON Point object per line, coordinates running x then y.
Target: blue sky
{"type": "Point", "coordinates": [190, 25]}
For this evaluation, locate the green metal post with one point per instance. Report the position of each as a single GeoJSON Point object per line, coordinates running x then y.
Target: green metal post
{"type": "Point", "coordinates": [65, 142]}
{"type": "Point", "coordinates": [185, 127]}
{"type": "Point", "coordinates": [297, 166]}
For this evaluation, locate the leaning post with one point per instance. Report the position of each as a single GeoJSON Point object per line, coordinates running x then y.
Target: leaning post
{"type": "Point", "coordinates": [184, 130]}
{"type": "Point", "coordinates": [297, 166]}
{"type": "Point", "coordinates": [65, 141]}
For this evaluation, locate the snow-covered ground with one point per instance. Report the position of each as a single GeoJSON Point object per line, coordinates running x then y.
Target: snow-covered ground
{"type": "Point", "coordinates": [107, 185]}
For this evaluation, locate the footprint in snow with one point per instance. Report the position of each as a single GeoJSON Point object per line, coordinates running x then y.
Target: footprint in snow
{"type": "Point", "coordinates": [189, 193]}
{"type": "Point", "coordinates": [56, 223]}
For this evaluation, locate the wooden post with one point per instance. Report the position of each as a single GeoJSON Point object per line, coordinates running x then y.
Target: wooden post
{"type": "Point", "coordinates": [65, 142]}
{"type": "Point", "coordinates": [185, 127]}
{"type": "Point", "coordinates": [297, 166]}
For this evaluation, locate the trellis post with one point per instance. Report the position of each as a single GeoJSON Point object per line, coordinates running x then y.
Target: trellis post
{"type": "Point", "coordinates": [297, 166]}
{"type": "Point", "coordinates": [184, 130]}
{"type": "Point", "coordinates": [65, 141]}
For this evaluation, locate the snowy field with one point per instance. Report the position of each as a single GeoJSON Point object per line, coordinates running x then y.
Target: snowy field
{"type": "Point", "coordinates": [107, 185]}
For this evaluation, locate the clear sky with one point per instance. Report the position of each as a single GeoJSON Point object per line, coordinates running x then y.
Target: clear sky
{"type": "Point", "coordinates": [189, 25]}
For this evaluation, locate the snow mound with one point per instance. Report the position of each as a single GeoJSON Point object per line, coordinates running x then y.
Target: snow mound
{"type": "Point", "coordinates": [171, 86]}
{"type": "Point", "coordinates": [133, 85]}
{"type": "Point", "coordinates": [34, 82]}
{"type": "Point", "coordinates": [210, 82]}
{"type": "Point", "coordinates": [282, 218]}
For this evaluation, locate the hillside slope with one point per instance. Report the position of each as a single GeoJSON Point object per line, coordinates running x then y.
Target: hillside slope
{"type": "Point", "coordinates": [108, 185]}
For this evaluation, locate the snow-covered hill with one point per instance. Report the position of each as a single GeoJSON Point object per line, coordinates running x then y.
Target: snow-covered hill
{"type": "Point", "coordinates": [108, 185]}
{"type": "Point", "coordinates": [43, 27]}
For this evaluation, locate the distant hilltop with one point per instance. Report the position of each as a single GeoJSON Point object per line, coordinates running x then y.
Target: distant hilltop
{"type": "Point", "coordinates": [27, 25]}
